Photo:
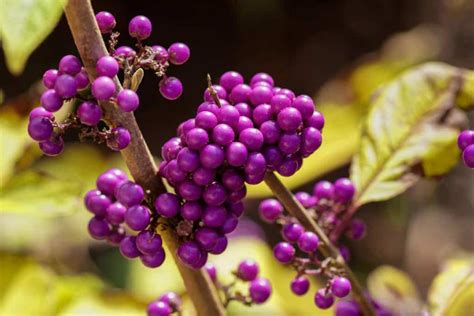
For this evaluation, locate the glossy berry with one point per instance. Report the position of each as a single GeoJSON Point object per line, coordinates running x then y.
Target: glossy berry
{"type": "Point", "coordinates": [203, 176]}
{"type": "Point", "coordinates": [289, 119]}
{"type": "Point", "coordinates": [284, 252]}
{"type": "Point", "coordinates": [128, 247]}
{"type": "Point", "coordinates": [189, 252]}
{"type": "Point", "coordinates": [468, 156]}
{"type": "Point", "coordinates": [465, 139]}
{"type": "Point", "coordinates": [125, 51]}
{"type": "Point", "coordinates": [148, 242]}
{"type": "Point", "coordinates": [228, 115]}
{"type": "Point", "coordinates": [262, 113]}
{"type": "Point", "coordinates": [240, 93]}
{"type": "Point", "coordinates": [40, 128]}
{"type": "Point", "coordinates": [206, 237]}
{"type": "Point", "coordinates": [129, 194]}
{"type": "Point", "coordinates": [140, 27]}
{"type": "Point", "coordinates": [171, 88]}
{"type": "Point", "coordinates": [115, 213]}
{"type": "Point", "coordinates": [105, 21]}
{"type": "Point", "coordinates": [167, 204]}
{"type": "Point", "coordinates": [270, 210]}
{"type": "Point", "coordinates": [316, 120]}
{"type": "Point", "coordinates": [98, 228]}
{"type": "Point", "coordinates": [40, 112]}
{"type": "Point", "coordinates": [89, 113]}
{"type": "Point", "coordinates": [323, 300]}
{"type": "Point", "coordinates": [262, 77]}
{"type": "Point", "coordinates": [300, 285]}
{"type": "Point", "coordinates": [230, 79]}
{"type": "Point", "coordinates": [51, 100]}
{"type": "Point", "coordinates": [340, 286]}
{"type": "Point", "coordinates": [236, 154]}
{"type": "Point", "coordinates": [66, 86]}
{"type": "Point", "coordinates": [212, 156]}
{"type": "Point", "coordinates": [244, 123]}
{"type": "Point", "coordinates": [289, 143]}
{"type": "Point", "coordinates": [107, 66]}
{"type": "Point", "coordinates": [270, 131]}
{"type": "Point", "coordinates": [171, 298]}
{"type": "Point", "coordinates": [349, 308]}
{"type": "Point", "coordinates": [260, 290]}
{"type": "Point", "coordinates": [191, 211]}
{"type": "Point", "coordinates": [214, 194]}
{"type": "Point", "coordinates": [137, 217]}
{"type": "Point", "coordinates": [178, 53]}
{"type": "Point", "coordinates": [70, 65]}
{"type": "Point", "coordinates": [159, 308]}
{"type": "Point", "coordinates": [343, 190]}
{"type": "Point", "coordinates": [291, 232]}
{"type": "Point", "coordinates": [214, 216]}
{"type": "Point", "coordinates": [52, 147]}
{"type": "Point", "coordinates": [103, 88]}
{"type": "Point", "coordinates": [82, 80]}
{"type": "Point", "coordinates": [232, 179]}
{"type": "Point", "coordinates": [128, 100]}
{"type": "Point", "coordinates": [308, 242]}
{"type": "Point", "coordinates": [252, 138]}
{"type": "Point", "coordinates": [244, 109]}
{"type": "Point", "coordinates": [153, 260]}
{"type": "Point", "coordinates": [189, 190]}
{"type": "Point", "coordinates": [49, 78]}
{"type": "Point", "coordinates": [323, 190]}
{"type": "Point", "coordinates": [247, 270]}
{"type": "Point", "coordinates": [161, 54]}
{"type": "Point", "coordinates": [260, 95]}
{"type": "Point", "coordinates": [220, 246]}
{"type": "Point", "coordinates": [305, 105]}
{"type": "Point", "coordinates": [120, 138]}
{"type": "Point", "coordinates": [206, 120]}
{"type": "Point", "coordinates": [188, 160]}
{"type": "Point", "coordinates": [223, 134]}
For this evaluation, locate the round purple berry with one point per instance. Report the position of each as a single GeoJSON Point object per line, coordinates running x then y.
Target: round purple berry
{"type": "Point", "coordinates": [103, 88]}
{"type": "Point", "coordinates": [240, 93]}
{"type": "Point", "coordinates": [82, 79]}
{"type": "Point", "coordinates": [468, 156]}
{"type": "Point", "coordinates": [308, 242]}
{"type": "Point", "coordinates": [279, 102]}
{"type": "Point", "coordinates": [70, 65]}
{"type": "Point", "coordinates": [344, 190]}
{"type": "Point", "coordinates": [192, 211]}
{"type": "Point", "coordinates": [107, 66]}
{"type": "Point", "coordinates": [167, 204]}
{"type": "Point", "coordinates": [214, 216]}
{"type": "Point", "coordinates": [171, 88]}
{"type": "Point", "coordinates": [105, 21]}
{"type": "Point", "coordinates": [159, 308]}
{"type": "Point", "coordinates": [206, 237]}
{"type": "Point", "coordinates": [66, 86]}
{"type": "Point", "coordinates": [119, 139]}
{"type": "Point", "coordinates": [289, 119]}
{"type": "Point", "coordinates": [340, 286]}
{"type": "Point", "coordinates": [260, 290]}
{"type": "Point", "coordinates": [161, 54]}
{"type": "Point", "coordinates": [230, 79]}
{"type": "Point", "coordinates": [323, 190]}
{"type": "Point", "coordinates": [248, 270]}
{"type": "Point", "coordinates": [252, 138]}
{"type": "Point", "coordinates": [291, 232]}
{"type": "Point", "coordinates": [465, 138]}
{"type": "Point", "coordinates": [153, 260]}
{"type": "Point", "coordinates": [140, 27]}
{"type": "Point", "coordinates": [203, 176]}
{"type": "Point", "coordinates": [178, 53]}
{"type": "Point", "coordinates": [89, 113]}
{"type": "Point", "coordinates": [270, 210]}
{"type": "Point", "coordinates": [137, 217]}
{"type": "Point", "coordinates": [300, 285]}
{"type": "Point", "coordinates": [212, 156]}
{"type": "Point", "coordinates": [40, 128]}
{"type": "Point", "coordinates": [128, 100]}
{"type": "Point", "coordinates": [149, 242]}
{"type": "Point", "coordinates": [305, 105]}
{"type": "Point", "coordinates": [236, 154]}
{"type": "Point", "coordinates": [128, 247]}
{"type": "Point", "coordinates": [284, 252]}
{"type": "Point", "coordinates": [40, 112]}
{"type": "Point", "coordinates": [49, 78]}
{"type": "Point", "coordinates": [51, 100]}
{"type": "Point", "coordinates": [129, 193]}
{"type": "Point", "coordinates": [98, 228]}
{"type": "Point", "coordinates": [53, 146]}
{"type": "Point", "coordinates": [323, 300]}
{"type": "Point", "coordinates": [261, 76]}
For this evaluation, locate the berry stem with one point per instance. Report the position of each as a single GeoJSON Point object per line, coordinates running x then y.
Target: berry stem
{"type": "Point", "coordinates": [137, 156]}
{"type": "Point", "coordinates": [212, 91]}
{"type": "Point", "coordinates": [326, 248]}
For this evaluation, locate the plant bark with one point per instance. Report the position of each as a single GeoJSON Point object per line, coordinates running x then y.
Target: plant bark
{"type": "Point", "coordinates": [137, 156]}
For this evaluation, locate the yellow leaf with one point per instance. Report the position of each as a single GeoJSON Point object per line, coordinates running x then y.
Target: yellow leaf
{"type": "Point", "coordinates": [409, 124]}
{"type": "Point", "coordinates": [24, 24]}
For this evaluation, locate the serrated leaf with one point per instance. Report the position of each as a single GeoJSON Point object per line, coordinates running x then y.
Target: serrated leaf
{"type": "Point", "coordinates": [410, 124]}
{"type": "Point", "coordinates": [394, 289]}
{"type": "Point", "coordinates": [452, 291]}
{"type": "Point", "coordinates": [24, 24]}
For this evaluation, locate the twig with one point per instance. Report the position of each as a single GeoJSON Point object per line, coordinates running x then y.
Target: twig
{"type": "Point", "coordinates": [137, 156]}
{"type": "Point", "coordinates": [326, 248]}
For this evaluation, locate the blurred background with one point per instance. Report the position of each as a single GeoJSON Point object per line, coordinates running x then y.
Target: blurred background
{"type": "Point", "coordinates": [338, 51]}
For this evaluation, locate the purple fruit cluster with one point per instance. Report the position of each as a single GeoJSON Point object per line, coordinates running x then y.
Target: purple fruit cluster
{"type": "Point", "coordinates": [156, 58]}
{"type": "Point", "coordinates": [326, 205]}
{"type": "Point", "coordinates": [167, 304]}
{"type": "Point", "coordinates": [259, 288]}
{"type": "Point", "coordinates": [239, 132]}
{"type": "Point", "coordinates": [117, 204]}
{"type": "Point", "coordinates": [466, 145]}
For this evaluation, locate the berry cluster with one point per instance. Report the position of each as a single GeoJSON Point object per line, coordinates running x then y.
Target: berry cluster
{"type": "Point", "coordinates": [167, 304]}
{"type": "Point", "coordinates": [70, 82]}
{"type": "Point", "coordinates": [259, 288]}
{"type": "Point", "coordinates": [299, 248]}
{"type": "Point", "coordinates": [466, 145]}
{"type": "Point", "coordinates": [238, 134]}
{"type": "Point", "coordinates": [117, 207]}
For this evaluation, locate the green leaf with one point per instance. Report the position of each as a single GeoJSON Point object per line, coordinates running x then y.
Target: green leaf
{"type": "Point", "coordinates": [452, 291]}
{"type": "Point", "coordinates": [394, 289]}
{"type": "Point", "coordinates": [24, 24]}
{"type": "Point", "coordinates": [410, 131]}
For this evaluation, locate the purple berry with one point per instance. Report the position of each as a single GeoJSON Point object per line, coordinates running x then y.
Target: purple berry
{"type": "Point", "coordinates": [40, 128]}
{"type": "Point", "coordinates": [192, 211]}
{"type": "Point", "coordinates": [128, 100]}
{"type": "Point", "coordinates": [189, 190]}
{"type": "Point", "coordinates": [237, 196]}
{"type": "Point", "coordinates": [167, 204]}
{"type": "Point", "coordinates": [244, 123]}
{"type": "Point", "coordinates": [252, 138]}
{"type": "Point", "coordinates": [223, 134]}
{"type": "Point", "coordinates": [203, 176]}
{"type": "Point", "coordinates": [311, 141]}
{"type": "Point", "coordinates": [232, 179]}
{"type": "Point", "coordinates": [125, 51]}
{"type": "Point", "coordinates": [289, 119]}
{"type": "Point", "coordinates": [214, 194]}
{"type": "Point", "coordinates": [154, 260]}
{"type": "Point", "coordinates": [300, 285]}
{"type": "Point", "coordinates": [465, 139]}
{"type": "Point", "coordinates": [229, 115]}
{"type": "Point", "coordinates": [107, 66]}
{"type": "Point", "coordinates": [255, 164]}
{"type": "Point", "coordinates": [159, 308]}
{"type": "Point", "coordinates": [323, 300]}
{"type": "Point", "coordinates": [244, 109]}
{"type": "Point", "coordinates": [40, 112]}
{"type": "Point", "coordinates": [240, 93]}
{"type": "Point", "coordinates": [288, 167]}
{"type": "Point", "coordinates": [262, 113]}
{"type": "Point", "coordinates": [289, 143]}
{"type": "Point", "coordinates": [260, 95]}
{"type": "Point", "coordinates": [316, 120]}
{"type": "Point", "coordinates": [247, 270]}
{"type": "Point", "coordinates": [260, 290]}
{"type": "Point", "coordinates": [70, 65]}
{"type": "Point", "coordinates": [305, 105]}
{"type": "Point", "coordinates": [49, 78]}
{"type": "Point", "coordinates": [288, 93]}
{"type": "Point", "coordinates": [130, 194]}
{"type": "Point", "coordinates": [178, 53]}
{"type": "Point", "coordinates": [66, 86]}
{"type": "Point", "coordinates": [261, 76]}
{"type": "Point", "coordinates": [212, 156]}
{"type": "Point", "coordinates": [236, 154]}
{"type": "Point", "coordinates": [344, 190]}
{"type": "Point", "coordinates": [140, 27]}
{"type": "Point", "coordinates": [323, 190]}
{"type": "Point", "coordinates": [270, 210]}
{"type": "Point", "coordinates": [98, 228]}
{"type": "Point", "coordinates": [116, 236]}
{"type": "Point", "coordinates": [82, 79]}
{"type": "Point", "coordinates": [237, 208]}
{"type": "Point", "coordinates": [171, 88]}
{"type": "Point", "coordinates": [105, 21]}
{"type": "Point", "coordinates": [308, 242]}
{"type": "Point", "coordinates": [230, 79]}
{"type": "Point", "coordinates": [210, 107]}
{"type": "Point", "coordinates": [128, 247]}
{"type": "Point", "coordinates": [115, 213]}
{"type": "Point", "coordinates": [137, 217]}
{"type": "Point", "coordinates": [348, 308]}
{"type": "Point", "coordinates": [171, 298]}
{"type": "Point", "coordinates": [273, 157]}
{"type": "Point", "coordinates": [254, 178]}
{"type": "Point", "coordinates": [284, 252]}
{"type": "Point", "coordinates": [214, 216]}
{"type": "Point", "coordinates": [220, 246]}
{"type": "Point", "coordinates": [52, 147]}
{"type": "Point", "coordinates": [171, 148]}
{"type": "Point", "coordinates": [149, 242]}
{"type": "Point", "coordinates": [206, 120]}
{"type": "Point", "coordinates": [161, 54]}
{"type": "Point", "coordinates": [206, 237]}
{"type": "Point", "coordinates": [304, 198]}
{"type": "Point", "coordinates": [291, 232]}
{"type": "Point", "coordinates": [120, 138]}
{"type": "Point", "coordinates": [270, 131]}
{"type": "Point", "coordinates": [51, 100]}
{"type": "Point", "coordinates": [220, 91]}
{"type": "Point", "coordinates": [340, 286]}
{"type": "Point", "coordinates": [89, 113]}
{"type": "Point", "coordinates": [103, 88]}
{"type": "Point", "coordinates": [230, 224]}
{"type": "Point", "coordinates": [279, 102]}
{"type": "Point", "coordinates": [188, 160]}
{"type": "Point", "coordinates": [189, 252]}
{"type": "Point", "coordinates": [468, 156]}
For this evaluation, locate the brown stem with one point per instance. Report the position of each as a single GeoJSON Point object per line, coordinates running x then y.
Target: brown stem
{"type": "Point", "coordinates": [137, 156]}
{"type": "Point", "coordinates": [327, 249]}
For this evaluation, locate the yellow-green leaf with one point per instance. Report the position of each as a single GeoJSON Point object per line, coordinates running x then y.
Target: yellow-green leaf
{"type": "Point", "coordinates": [452, 291]}
{"type": "Point", "coordinates": [394, 289]}
{"type": "Point", "coordinates": [410, 131]}
{"type": "Point", "coordinates": [24, 24]}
